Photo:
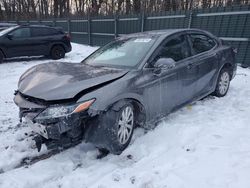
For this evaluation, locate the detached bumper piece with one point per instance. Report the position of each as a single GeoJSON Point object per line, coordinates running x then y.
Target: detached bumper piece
{"type": "Point", "coordinates": [58, 133]}
{"type": "Point", "coordinates": [39, 141]}
{"type": "Point", "coordinates": [62, 141]}
{"type": "Point", "coordinates": [51, 144]}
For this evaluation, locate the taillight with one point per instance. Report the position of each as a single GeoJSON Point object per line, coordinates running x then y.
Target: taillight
{"type": "Point", "coordinates": [68, 36]}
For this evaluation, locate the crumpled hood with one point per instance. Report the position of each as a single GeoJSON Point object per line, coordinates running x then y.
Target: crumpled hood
{"type": "Point", "coordinates": [58, 81]}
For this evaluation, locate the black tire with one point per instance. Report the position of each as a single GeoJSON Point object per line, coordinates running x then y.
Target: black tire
{"type": "Point", "coordinates": [223, 83]}
{"type": "Point", "coordinates": [1, 57]}
{"type": "Point", "coordinates": [57, 52]}
{"type": "Point", "coordinates": [112, 118]}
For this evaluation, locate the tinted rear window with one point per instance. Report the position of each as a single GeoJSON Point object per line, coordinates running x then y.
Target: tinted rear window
{"type": "Point", "coordinates": [201, 43]}
{"type": "Point", "coordinates": [177, 49]}
{"type": "Point", "coordinates": [44, 31]}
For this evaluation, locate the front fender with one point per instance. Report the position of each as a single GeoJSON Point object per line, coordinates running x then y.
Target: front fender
{"type": "Point", "coordinates": [103, 104]}
{"type": "Point", "coordinates": [112, 93]}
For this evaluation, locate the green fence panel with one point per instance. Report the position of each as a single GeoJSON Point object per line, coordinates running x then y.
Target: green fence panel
{"type": "Point", "coordinates": [128, 24]}
{"type": "Point", "coordinates": [63, 24]}
{"type": "Point", "coordinates": [100, 40]}
{"type": "Point", "coordinates": [47, 22]}
{"type": "Point", "coordinates": [79, 26]}
{"type": "Point", "coordinates": [79, 30]}
{"type": "Point", "coordinates": [102, 26]}
{"type": "Point", "coordinates": [231, 23]}
{"type": "Point", "coordinates": [166, 20]}
{"type": "Point", "coordinates": [23, 22]}
{"type": "Point", "coordinates": [79, 38]}
{"type": "Point", "coordinates": [34, 22]}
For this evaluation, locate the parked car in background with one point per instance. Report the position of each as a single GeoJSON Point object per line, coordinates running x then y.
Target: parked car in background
{"type": "Point", "coordinates": [32, 40]}
{"type": "Point", "coordinates": [134, 81]}
{"type": "Point", "coordinates": [6, 25]}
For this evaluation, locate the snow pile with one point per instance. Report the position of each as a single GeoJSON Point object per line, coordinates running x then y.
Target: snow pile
{"type": "Point", "coordinates": [204, 145]}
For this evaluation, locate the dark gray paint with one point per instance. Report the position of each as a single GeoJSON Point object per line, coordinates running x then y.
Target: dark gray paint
{"type": "Point", "coordinates": [60, 81]}
{"type": "Point", "coordinates": [191, 79]}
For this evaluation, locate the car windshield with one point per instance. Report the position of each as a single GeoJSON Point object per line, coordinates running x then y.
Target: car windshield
{"type": "Point", "coordinates": [125, 53]}
{"type": "Point", "coordinates": [3, 32]}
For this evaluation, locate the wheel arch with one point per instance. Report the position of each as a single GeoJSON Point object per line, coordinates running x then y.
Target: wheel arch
{"type": "Point", "coordinates": [228, 66]}
{"type": "Point", "coordinates": [139, 108]}
{"type": "Point", "coordinates": [57, 44]}
{"type": "Point", "coordinates": [102, 135]}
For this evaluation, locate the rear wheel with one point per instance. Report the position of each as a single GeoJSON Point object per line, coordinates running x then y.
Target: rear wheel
{"type": "Point", "coordinates": [1, 57]}
{"type": "Point", "coordinates": [57, 52]}
{"type": "Point", "coordinates": [223, 83]}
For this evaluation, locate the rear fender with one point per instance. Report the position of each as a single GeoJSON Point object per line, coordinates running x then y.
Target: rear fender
{"type": "Point", "coordinates": [226, 58]}
{"type": "Point", "coordinates": [57, 43]}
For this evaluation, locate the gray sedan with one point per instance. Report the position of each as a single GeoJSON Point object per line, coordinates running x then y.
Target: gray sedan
{"type": "Point", "coordinates": [133, 81]}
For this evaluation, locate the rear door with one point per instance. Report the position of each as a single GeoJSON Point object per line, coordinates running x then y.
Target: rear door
{"type": "Point", "coordinates": [205, 58]}
{"type": "Point", "coordinates": [42, 37]}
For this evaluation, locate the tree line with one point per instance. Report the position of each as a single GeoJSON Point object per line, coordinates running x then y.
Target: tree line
{"type": "Point", "coordinates": [40, 9]}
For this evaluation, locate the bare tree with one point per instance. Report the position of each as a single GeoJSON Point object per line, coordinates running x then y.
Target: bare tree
{"type": "Point", "coordinates": [33, 9]}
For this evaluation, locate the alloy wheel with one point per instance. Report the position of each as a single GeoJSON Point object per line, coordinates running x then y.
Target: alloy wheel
{"type": "Point", "coordinates": [58, 53]}
{"type": "Point", "coordinates": [224, 83]}
{"type": "Point", "coordinates": [125, 125]}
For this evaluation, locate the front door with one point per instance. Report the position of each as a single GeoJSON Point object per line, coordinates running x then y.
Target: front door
{"type": "Point", "coordinates": [178, 85]}
{"type": "Point", "coordinates": [159, 91]}
{"type": "Point", "coordinates": [167, 90]}
{"type": "Point", "coordinates": [19, 42]}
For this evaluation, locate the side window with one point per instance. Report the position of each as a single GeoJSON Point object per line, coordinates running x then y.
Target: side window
{"type": "Point", "coordinates": [201, 43]}
{"type": "Point", "coordinates": [177, 49]}
{"type": "Point", "coordinates": [55, 31]}
{"type": "Point", "coordinates": [39, 32]}
{"type": "Point", "coordinates": [21, 33]}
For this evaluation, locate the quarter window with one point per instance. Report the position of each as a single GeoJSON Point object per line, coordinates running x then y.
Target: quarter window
{"type": "Point", "coordinates": [201, 43]}
{"type": "Point", "coordinates": [38, 32]}
{"type": "Point", "coordinates": [21, 33]}
{"type": "Point", "coordinates": [177, 49]}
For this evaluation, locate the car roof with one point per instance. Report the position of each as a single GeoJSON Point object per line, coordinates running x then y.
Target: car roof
{"type": "Point", "coordinates": [7, 24]}
{"type": "Point", "coordinates": [27, 25]}
{"type": "Point", "coordinates": [163, 33]}
{"type": "Point", "coordinates": [42, 26]}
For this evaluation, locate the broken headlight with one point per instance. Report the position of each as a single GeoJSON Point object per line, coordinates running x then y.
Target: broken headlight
{"type": "Point", "coordinates": [60, 111]}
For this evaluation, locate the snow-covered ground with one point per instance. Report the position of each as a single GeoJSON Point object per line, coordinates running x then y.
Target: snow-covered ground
{"type": "Point", "coordinates": [204, 145]}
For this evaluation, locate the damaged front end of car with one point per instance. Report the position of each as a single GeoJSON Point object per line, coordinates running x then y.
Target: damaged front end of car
{"type": "Point", "coordinates": [50, 100]}
{"type": "Point", "coordinates": [57, 125]}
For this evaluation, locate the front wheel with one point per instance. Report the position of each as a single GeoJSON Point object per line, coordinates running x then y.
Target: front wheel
{"type": "Point", "coordinates": [223, 83]}
{"type": "Point", "coordinates": [120, 127]}
{"type": "Point", "coordinates": [125, 125]}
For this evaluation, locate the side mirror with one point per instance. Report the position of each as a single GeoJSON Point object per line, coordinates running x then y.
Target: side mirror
{"type": "Point", "coordinates": [9, 36]}
{"type": "Point", "coordinates": [165, 63]}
